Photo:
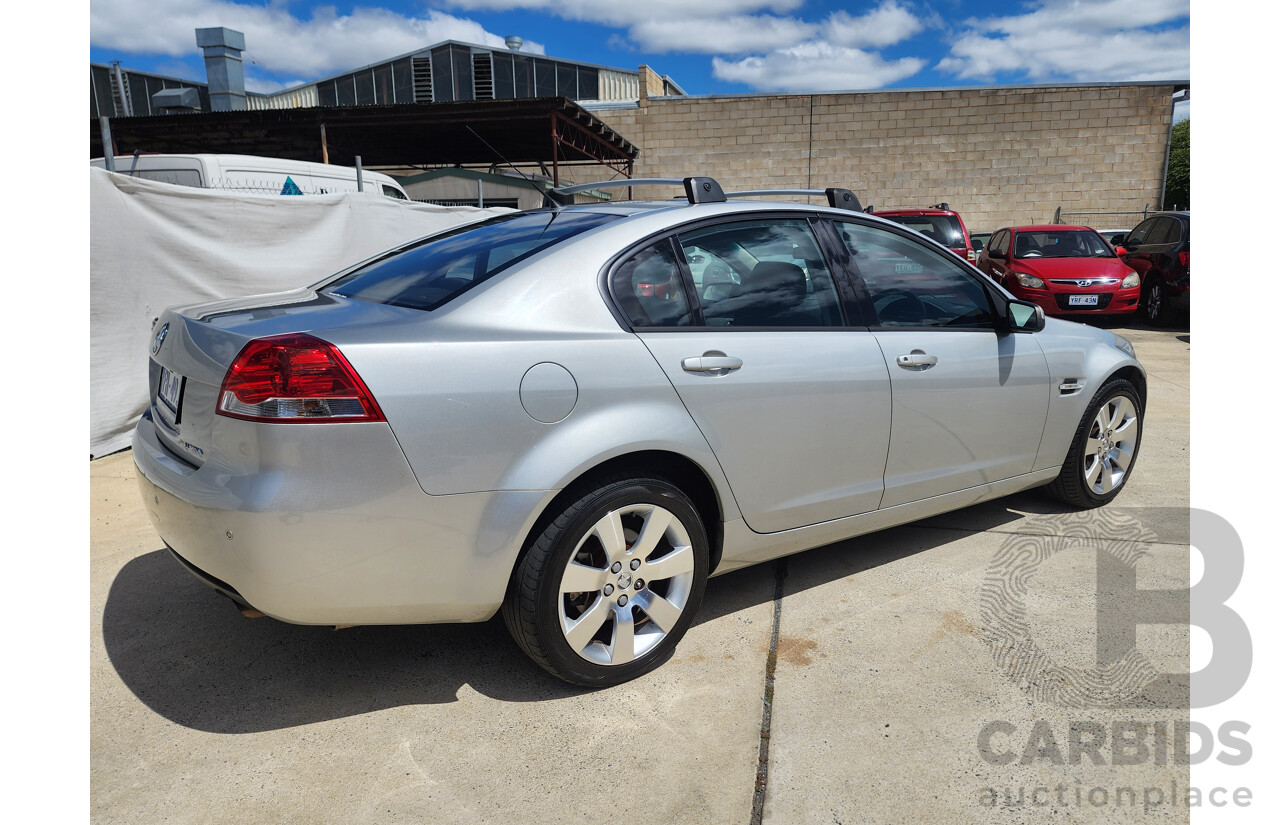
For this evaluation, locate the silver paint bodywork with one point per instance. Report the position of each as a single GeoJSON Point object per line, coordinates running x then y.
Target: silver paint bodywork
{"type": "Point", "coordinates": [500, 399]}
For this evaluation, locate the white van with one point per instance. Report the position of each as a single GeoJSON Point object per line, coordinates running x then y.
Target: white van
{"type": "Point", "coordinates": [248, 173]}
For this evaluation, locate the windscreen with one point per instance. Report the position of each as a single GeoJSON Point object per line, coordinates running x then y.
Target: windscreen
{"type": "Point", "coordinates": [945, 229]}
{"type": "Point", "coordinates": [434, 272]}
{"type": "Point", "coordinates": [1066, 244]}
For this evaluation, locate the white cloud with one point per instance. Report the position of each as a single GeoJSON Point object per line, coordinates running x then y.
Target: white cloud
{"type": "Point", "coordinates": [277, 42]}
{"type": "Point", "coordinates": [614, 13]}
{"type": "Point", "coordinates": [723, 35]}
{"type": "Point", "coordinates": [816, 66]}
{"type": "Point", "coordinates": [1078, 39]}
{"type": "Point", "coordinates": [887, 24]}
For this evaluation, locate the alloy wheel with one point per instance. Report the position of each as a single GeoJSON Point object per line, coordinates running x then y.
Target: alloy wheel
{"type": "Point", "coordinates": [626, 585]}
{"type": "Point", "coordinates": [1111, 445]}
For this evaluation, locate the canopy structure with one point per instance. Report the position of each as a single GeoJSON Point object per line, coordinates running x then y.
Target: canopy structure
{"type": "Point", "coordinates": [552, 131]}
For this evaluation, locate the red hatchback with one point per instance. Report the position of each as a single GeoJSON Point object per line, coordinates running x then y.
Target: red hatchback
{"type": "Point", "coordinates": [937, 222]}
{"type": "Point", "coordinates": [1067, 270]}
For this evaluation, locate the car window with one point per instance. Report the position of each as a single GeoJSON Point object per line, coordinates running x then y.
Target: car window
{"type": "Point", "coordinates": [763, 273]}
{"type": "Point", "coordinates": [649, 290]}
{"type": "Point", "coordinates": [431, 273]}
{"type": "Point", "coordinates": [913, 286]}
{"type": "Point", "coordinates": [1066, 243]}
{"type": "Point", "coordinates": [392, 192]}
{"type": "Point", "coordinates": [1166, 231]}
{"type": "Point", "coordinates": [1139, 233]}
{"type": "Point", "coordinates": [999, 244]}
{"type": "Point", "coordinates": [945, 229]}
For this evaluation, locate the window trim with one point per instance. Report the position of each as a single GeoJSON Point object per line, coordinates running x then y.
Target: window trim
{"type": "Point", "coordinates": [671, 234]}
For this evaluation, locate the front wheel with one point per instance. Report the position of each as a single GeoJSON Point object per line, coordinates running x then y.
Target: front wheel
{"type": "Point", "coordinates": [1103, 450]}
{"type": "Point", "coordinates": [607, 590]}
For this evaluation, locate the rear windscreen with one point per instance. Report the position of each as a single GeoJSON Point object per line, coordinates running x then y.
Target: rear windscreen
{"type": "Point", "coordinates": [945, 229]}
{"type": "Point", "coordinates": [432, 273]}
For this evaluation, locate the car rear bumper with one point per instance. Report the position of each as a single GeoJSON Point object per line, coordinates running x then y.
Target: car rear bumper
{"type": "Point", "coordinates": [335, 530]}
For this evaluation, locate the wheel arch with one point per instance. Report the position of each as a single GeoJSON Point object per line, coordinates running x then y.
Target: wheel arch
{"type": "Point", "coordinates": [680, 470]}
{"type": "Point", "coordinates": [1137, 378]}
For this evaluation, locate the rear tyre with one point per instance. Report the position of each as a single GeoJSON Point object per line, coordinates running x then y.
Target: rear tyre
{"type": "Point", "coordinates": [607, 590]}
{"type": "Point", "coordinates": [1154, 309]}
{"type": "Point", "coordinates": [1103, 450]}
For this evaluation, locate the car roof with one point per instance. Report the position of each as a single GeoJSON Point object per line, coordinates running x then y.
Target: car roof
{"type": "Point", "coordinates": [909, 212]}
{"type": "Point", "coordinates": [1051, 227]}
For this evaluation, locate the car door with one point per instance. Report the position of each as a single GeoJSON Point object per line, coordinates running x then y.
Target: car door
{"type": "Point", "coordinates": [995, 257]}
{"type": "Point", "coordinates": [791, 394]}
{"type": "Point", "coordinates": [1136, 256]}
{"type": "Point", "coordinates": [969, 403]}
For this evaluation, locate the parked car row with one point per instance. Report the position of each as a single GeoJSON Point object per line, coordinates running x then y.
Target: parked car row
{"type": "Point", "coordinates": [1075, 270]}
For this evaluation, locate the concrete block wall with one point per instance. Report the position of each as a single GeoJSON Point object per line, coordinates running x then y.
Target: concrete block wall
{"type": "Point", "coordinates": [998, 156]}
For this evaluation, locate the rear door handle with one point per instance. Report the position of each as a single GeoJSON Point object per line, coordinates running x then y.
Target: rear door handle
{"type": "Point", "coordinates": [710, 363]}
{"type": "Point", "coordinates": [917, 360]}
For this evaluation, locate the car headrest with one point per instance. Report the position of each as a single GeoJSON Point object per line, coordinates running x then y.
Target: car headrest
{"type": "Point", "coordinates": [784, 281]}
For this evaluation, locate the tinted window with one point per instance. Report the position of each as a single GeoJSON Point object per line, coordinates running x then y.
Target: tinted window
{"type": "Point", "coordinates": [945, 229]}
{"type": "Point", "coordinates": [1139, 233]}
{"type": "Point", "coordinates": [912, 286]}
{"type": "Point", "coordinates": [432, 273]}
{"type": "Point", "coordinates": [999, 244]}
{"type": "Point", "coordinates": [768, 273]}
{"type": "Point", "coordinates": [648, 288]}
{"type": "Point", "coordinates": [1071, 243]}
{"type": "Point", "coordinates": [1165, 231]}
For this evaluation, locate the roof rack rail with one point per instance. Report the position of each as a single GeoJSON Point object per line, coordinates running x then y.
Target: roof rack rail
{"type": "Point", "coordinates": [697, 190]}
{"type": "Point", "coordinates": [837, 198]}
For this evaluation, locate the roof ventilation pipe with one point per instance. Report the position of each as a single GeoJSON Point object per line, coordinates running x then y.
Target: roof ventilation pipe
{"type": "Point", "coordinates": [514, 43]}
{"type": "Point", "coordinates": [224, 67]}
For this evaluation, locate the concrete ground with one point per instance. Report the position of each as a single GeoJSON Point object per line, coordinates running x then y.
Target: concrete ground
{"type": "Point", "coordinates": [891, 698]}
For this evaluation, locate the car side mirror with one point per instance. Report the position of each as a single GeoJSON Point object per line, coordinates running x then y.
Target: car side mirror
{"type": "Point", "coordinates": [1024, 316]}
{"type": "Point", "coordinates": [1119, 239]}
{"type": "Point", "coordinates": [1120, 250]}
{"type": "Point", "coordinates": [995, 253]}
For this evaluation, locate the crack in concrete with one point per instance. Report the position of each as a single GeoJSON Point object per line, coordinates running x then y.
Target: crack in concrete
{"type": "Point", "coordinates": [766, 714]}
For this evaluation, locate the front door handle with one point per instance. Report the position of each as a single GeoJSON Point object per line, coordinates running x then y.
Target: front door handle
{"type": "Point", "coordinates": [917, 360]}
{"type": "Point", "coordinates": [710, 363]}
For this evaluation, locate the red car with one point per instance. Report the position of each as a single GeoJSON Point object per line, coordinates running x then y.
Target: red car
{"type": "Point", "coordinates": [1067, 270]}
{"type": "Point", "coordinates": [937, 222]}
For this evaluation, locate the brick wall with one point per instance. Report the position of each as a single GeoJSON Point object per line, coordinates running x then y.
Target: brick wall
{"type": "Point", "coordinates": [999, 156]}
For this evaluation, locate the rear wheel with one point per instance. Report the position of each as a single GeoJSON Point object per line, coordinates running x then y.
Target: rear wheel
{"type": "Point", "coordinates": [1103, 450]}
{"type": "Point", "coordinates": [1153, 303]}
{"type": "Point", "coordinates": [607, 590]}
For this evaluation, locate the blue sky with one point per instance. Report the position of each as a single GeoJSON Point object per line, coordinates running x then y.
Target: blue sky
{"type": "Point", "coordinates": [707, 46]}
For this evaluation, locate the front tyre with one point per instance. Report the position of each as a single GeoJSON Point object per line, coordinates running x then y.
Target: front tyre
{"type": "Point", "coordinates": [607, 590]}
{"type": "Point", "coordinates": [1103, 450]}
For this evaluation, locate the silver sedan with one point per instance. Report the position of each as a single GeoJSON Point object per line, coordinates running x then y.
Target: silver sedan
{"type": "Point", "coordinates": [546, 414]}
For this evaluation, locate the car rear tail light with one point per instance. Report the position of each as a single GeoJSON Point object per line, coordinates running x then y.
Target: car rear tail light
{"type": "Point", "coordinates": [972, 256]}
{"type": "Point", "coordinates": [1184, 258]}
{"type": "Point", "coordinates": [295, 378]}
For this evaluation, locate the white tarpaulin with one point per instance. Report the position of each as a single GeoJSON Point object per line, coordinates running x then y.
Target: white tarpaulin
{"type": "Point", "coordinates": [154, 245]}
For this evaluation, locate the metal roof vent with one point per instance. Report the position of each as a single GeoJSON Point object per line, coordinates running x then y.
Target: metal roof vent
{"type": "Point", "coordinates": [514, 43]}
{"type": "Point", "coordinates": [173, 101]}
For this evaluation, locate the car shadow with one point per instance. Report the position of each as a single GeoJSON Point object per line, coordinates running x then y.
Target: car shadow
{"type": "Point", "coordinates": [189, 655]}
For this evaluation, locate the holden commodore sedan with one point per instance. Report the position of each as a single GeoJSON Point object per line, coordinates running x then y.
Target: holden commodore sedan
{"type": "Point", "coordinates": [1065, 270]}
{"type": "Point", "coordinates": [545, 414]}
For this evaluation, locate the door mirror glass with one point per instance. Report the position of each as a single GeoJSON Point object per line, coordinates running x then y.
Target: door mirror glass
{"type": "Point", "coordinates": [1024, 316]}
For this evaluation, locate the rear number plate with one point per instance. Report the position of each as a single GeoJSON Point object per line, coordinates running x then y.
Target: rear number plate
{"type": "Point", "coordinates": [170, 393]}
{"type": "Point", "coordinates": [1083, 300]}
